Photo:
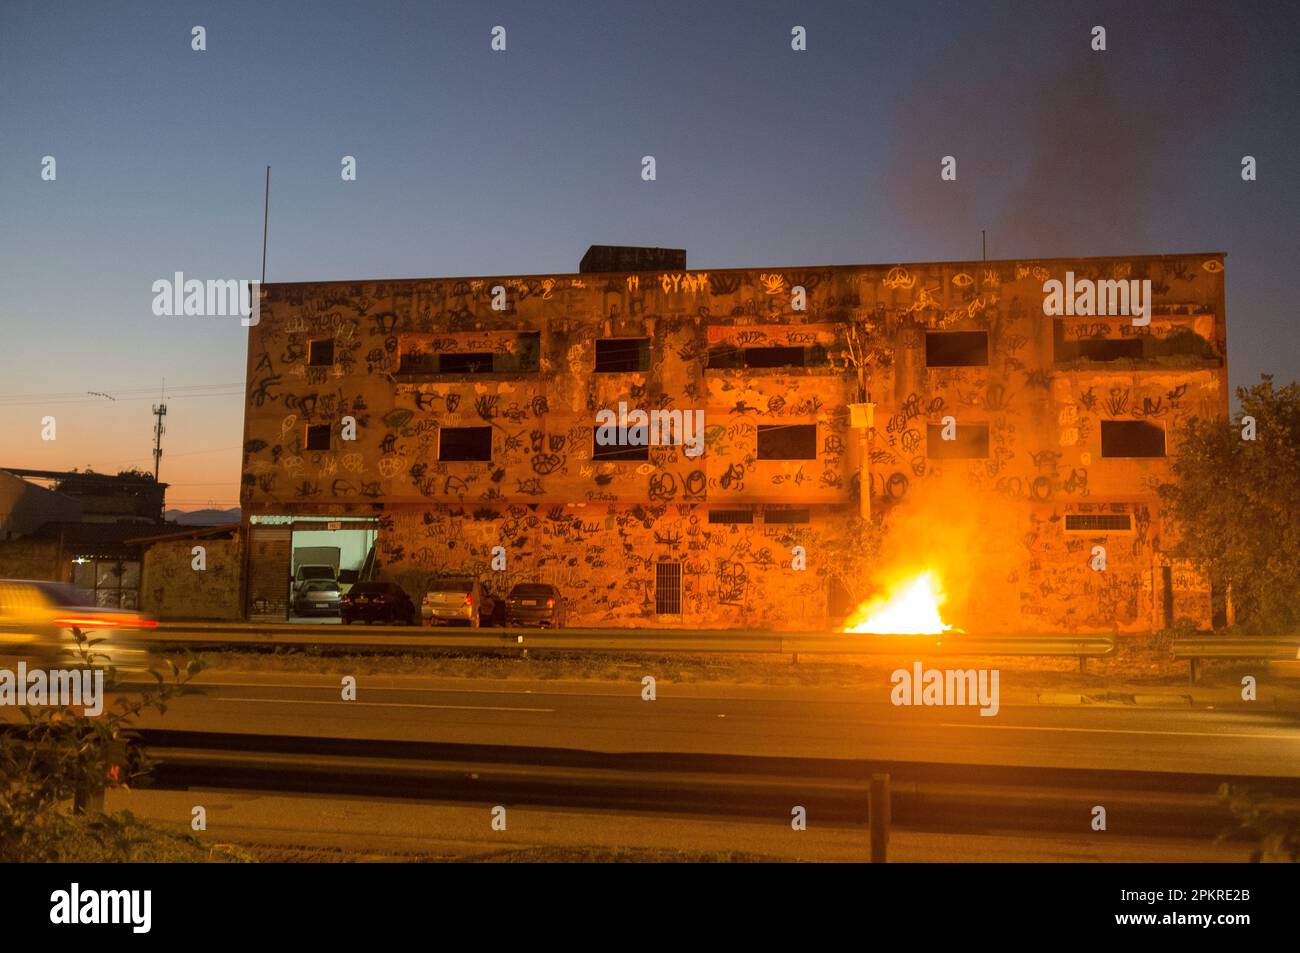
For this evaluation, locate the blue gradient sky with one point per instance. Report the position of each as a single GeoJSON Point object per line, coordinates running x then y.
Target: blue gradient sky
{"type": "Point", "coordinates": [472, 162]}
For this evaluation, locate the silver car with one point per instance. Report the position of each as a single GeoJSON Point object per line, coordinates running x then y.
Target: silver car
{"type": "Point", "coordinates": [317, 597]}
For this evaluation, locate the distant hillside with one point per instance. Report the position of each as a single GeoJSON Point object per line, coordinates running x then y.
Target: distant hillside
{"type": "Point", "coordinates": [202, 517]}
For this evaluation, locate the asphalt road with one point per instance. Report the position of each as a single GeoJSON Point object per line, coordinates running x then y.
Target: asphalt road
{"type": "Point", "coordinates": [719, 719]}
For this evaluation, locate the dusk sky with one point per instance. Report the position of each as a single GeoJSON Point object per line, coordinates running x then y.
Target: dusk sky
{"type": "Point", "coordinates": [471, 162]}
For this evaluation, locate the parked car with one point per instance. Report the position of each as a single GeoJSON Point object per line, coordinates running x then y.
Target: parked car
{"type": "Point", "coordinates": [310, 572]}
{"type": "Point", "coordinates": [317, 597]}
{"type": "Point", "coordinates": [378, 602]}
{"type": "Point", "coordinates": [457, 599]}
{"type": "Point", "coordinates": [37, 619]}
{"type": "Point", "coordinates": [536, 603]}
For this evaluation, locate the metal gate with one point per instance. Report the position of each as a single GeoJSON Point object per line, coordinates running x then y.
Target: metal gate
{"type": "Point", "coordinates": [269, 551]}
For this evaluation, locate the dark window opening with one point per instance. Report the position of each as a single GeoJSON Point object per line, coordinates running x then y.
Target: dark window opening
{"type": "Point", "coordinates": [318, 437]}
{"type": "Point", "coordinates": [622, 355]}
{"type": "Point", "coordinates": [1101, 349]}
{"type": "Point", "coordinates": [776, 357]}
{"type": "Point", "coordinates": [787, 515]}
{"type": "Point", "coordinates": [726, 357]}
{"type": "Point", "coordinates": [787, 442]}
{"type": "Point", "coordinates": [729, 356]}
{"type": "Point", "coordinates": [668, 588]}
{"type": "Point", "coordinates": [1092, 349]}
{"type": "Point", "coordinates": [1178, 343]}
{"type": "Point", "coordinates": [1099, 522]}
{"type": "Point", "coordinates": [465, 443]}
{"type": "Point", "coordinates": [1132, 438]}
{"type": "Point", "coordinates": [524, 358]}
{"type": "Point", "coordinates": [956, 348]}
{"type": "Point", "coordinates": [970, 442]}
{"type": "Point", "coordinates": [320, 353]}
{"type": "Point", "coordinates": [468, 363]}
{"type": "Point", "coordinates": [418, 362]}
{"type": "Point", "coordinates": [729, 517]}
{"type": "Point", "coordinates": [617, 451]}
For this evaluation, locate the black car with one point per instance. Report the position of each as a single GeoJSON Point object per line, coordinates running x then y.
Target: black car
{"type": "Point", "coordinates": [536, 603]}
{"type": "Point", "coordinates": [378, 602]}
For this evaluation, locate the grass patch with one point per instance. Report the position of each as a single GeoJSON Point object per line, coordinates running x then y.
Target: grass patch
{"type": "Point", "coordinates": [121, 838]}
{"type": "Point", "coordinates": [616, 855]}
{"type": "Point", "coordinates": [266, 853]}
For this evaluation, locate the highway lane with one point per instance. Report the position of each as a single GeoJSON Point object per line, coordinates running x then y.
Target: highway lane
{"type": "Point", "coordinates": [718, 719]}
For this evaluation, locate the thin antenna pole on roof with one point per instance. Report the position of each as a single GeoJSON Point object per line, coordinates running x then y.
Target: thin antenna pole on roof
{"type": "Point", "coordinates": [266, 210]}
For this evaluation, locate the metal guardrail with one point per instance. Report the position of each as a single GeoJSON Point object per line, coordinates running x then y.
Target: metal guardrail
{"type": "Point", "coordinates": [1196, 647]}
{"type": "Point", "coordinates": [922, 795]}
{"type": "Point", "coordinates": [250, 634]}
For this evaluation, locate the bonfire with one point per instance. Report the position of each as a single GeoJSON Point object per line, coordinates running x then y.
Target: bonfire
{"type": "Point", "coordinates": [911, 606]}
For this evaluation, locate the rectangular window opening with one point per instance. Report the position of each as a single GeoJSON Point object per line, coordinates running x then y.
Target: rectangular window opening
{"type": "Point", "coordinates": [728, 356]}
{"type": "Point", "coordinates": [318, 437]}
{"type": "Point", "coordinates": [1132, 438]}
{"type": "Point", "coordinates": [465, 443]}
{"type": "Point", "coordinates": [776, 357]}
{"type": "Point", "coordinates": [622, 355]}
{"type": "Point", "coordinates": [956, 348]}
{"type": "Point", "coordinates": [321, 353]}
{"type": "Point", "coordinates": [523, 357]}
{"type": "Point", "coordinates": [1092, 348]}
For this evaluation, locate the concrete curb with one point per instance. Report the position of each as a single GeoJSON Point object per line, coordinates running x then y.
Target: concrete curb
{"type": "Point", "coordinates": [1118, 699]}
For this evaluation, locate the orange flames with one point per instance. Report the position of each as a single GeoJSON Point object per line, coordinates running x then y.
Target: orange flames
{"type": "Point", "coordinates": [910, 607]}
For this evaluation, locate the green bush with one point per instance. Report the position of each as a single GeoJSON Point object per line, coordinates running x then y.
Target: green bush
{"type": "Point", "coordinates": [1234, 504]}
{"type": "Point", "coordinates": [54, 753]}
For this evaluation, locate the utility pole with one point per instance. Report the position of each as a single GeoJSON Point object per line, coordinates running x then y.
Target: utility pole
{"type": "Point", "coordinates": [159, 411]}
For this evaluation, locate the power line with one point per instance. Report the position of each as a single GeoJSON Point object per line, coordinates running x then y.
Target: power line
{"type": "Point", "coordinates": [187, 453]}
{"type": "Point", "coordinates": [130, 390]}
{"type": "Point", "coordinates": [59, 402]}
{"type": "Point", "coordinates": [79, 397]}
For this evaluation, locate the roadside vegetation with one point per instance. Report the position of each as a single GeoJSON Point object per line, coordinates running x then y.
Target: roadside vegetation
{"type": "Point", "coordinates": [55, 759]}
{"type": "Point", "coordinates": [1235, 502]}
{"type": "Point", "coordinates": [1274, 830]}
{"type": "Point", "coordinates": [117, 838]}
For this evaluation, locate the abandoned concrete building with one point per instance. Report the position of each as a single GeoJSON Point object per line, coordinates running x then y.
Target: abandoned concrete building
{"type": "Point", "coordinates": [412, 426]}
